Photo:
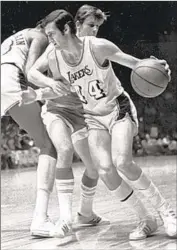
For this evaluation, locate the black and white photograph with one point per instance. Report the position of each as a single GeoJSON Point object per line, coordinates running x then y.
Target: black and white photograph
{"type": "Point", "coordinates": [88, 125]}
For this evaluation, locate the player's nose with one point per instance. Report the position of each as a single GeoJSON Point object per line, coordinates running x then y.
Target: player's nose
{"type": "Point", "coordinates": [95, 28]}
{"type": "Point", "coordinates": [95, 31]}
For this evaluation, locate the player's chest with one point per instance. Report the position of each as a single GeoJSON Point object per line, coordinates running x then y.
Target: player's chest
{"type": "Point", "coordinates": [82, 74]}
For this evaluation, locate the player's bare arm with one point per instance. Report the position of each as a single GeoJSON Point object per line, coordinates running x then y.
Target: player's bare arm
{"type": "Point", "coordinates": [106, 50]}
{"type": "Point", "coordinates": [38, 45]}
{"type": "Point", "coordinates": [30, 95]}
{"type": "Point", "coordinates": [36, 75]}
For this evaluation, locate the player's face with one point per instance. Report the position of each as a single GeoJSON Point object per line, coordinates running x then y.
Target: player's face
{"type": "Point", "coordinates": [54, 34]}
{"type": "Point", "coordinates": [89, 27]}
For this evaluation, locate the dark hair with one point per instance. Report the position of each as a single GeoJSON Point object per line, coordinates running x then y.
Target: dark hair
{"type": "Point", "coordinates": [88, 10]}
{"type": "Point", "coordinates": [60, 18]}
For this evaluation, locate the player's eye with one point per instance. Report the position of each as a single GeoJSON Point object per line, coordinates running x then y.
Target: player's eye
{"type": "Point", "coordinates": [91, 25]}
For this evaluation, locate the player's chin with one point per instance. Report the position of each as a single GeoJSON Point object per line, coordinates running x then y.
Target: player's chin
{"type": "Point", "coordinates": [94, 34]}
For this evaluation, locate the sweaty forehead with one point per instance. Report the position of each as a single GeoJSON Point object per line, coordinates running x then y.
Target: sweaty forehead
{"type": "Point", "coordinates": [50, 27]}
{"type": "Point", "coordinates": [93, 20]}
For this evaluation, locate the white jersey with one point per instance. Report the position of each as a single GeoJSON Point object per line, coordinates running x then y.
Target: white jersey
{"type": "Point", "coordinates": [15, 49]}
{"type": "Point", "coordinates": [98, 87]}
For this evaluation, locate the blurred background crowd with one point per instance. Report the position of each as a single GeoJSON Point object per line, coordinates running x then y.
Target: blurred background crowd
{"type": "Point", "coordinates": [138, 29]}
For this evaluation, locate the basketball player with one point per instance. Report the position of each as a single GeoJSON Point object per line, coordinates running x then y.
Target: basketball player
{"type": "Point", "coordinates": [108, 110]}
{"type": "Point", "coordinates": [61, 116]}
{"type": "Point", "coordinates": [88, 20]}
{"type": "Point", "coordinates": [18, 54]}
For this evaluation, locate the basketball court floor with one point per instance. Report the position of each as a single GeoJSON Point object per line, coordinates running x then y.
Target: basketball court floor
{"type": "Point", "coordinates": [18, 200]}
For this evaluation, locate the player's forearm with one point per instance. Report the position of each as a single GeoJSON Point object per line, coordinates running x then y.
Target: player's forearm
{"type": "Point", "coordinates": [125, 59]}
{"type": "Point", "coordinates": [30, 63]}
{"type": "Point", "coordinates": [37, 47]}
{"type": "Point", "coordinates": [37, 78]}
{"type": "Point", "coordinates": [45, 93]}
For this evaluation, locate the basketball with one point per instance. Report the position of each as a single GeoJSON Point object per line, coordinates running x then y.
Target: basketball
{"type": "Point", "coordinates": [149, 79]}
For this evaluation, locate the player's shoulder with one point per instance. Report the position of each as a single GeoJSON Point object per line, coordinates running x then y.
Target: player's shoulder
{"type": "Point", "coordinates": [102, 46]}
{"type": "Point", "coordinates": [34, 33]}
{"type": "Point", "coordinates": [97, 40]}
{"type": "Point", "coordinates": [99, 43]}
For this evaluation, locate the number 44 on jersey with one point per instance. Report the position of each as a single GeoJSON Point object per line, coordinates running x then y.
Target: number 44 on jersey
{"type": "Point", "coordinates": [94, 90]}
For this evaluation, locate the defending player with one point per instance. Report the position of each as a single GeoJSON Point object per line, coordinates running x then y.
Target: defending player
{"type": "Point", "coordinates": [18, 54]}
{"type": "Point", "coordinates": [108, 110]}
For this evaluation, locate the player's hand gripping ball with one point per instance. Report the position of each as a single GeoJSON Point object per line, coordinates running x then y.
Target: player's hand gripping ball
{"type": "Point", "coordinates": [150, 77]}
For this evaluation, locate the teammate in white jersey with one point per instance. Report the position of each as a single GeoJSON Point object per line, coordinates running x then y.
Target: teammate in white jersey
{"type": "Point", "coordinates": [18, 54]}
{"type": "Point", "coordinates": [110, 114]}
{"type": "Point", "coordinates": [88, 20]}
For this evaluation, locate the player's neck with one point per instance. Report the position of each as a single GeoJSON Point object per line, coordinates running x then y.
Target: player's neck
{"type": "Point", "coordinates": [73, 49]}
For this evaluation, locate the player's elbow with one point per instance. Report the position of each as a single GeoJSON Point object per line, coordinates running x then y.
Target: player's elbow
{"type": "Point", "coordinates": [31, 75]}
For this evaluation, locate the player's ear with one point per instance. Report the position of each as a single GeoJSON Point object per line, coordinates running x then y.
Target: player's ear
{"type": "Point", "coordinates": [78, 25]}
{"type": "Point", "coordinates": [66, 29]}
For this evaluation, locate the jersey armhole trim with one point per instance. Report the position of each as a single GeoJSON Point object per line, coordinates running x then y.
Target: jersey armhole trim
{"type": "Point", "coordinates": [95, 60]}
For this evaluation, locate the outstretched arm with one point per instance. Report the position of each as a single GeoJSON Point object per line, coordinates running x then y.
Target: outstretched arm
{"type": "Point", "coordinates": [124, 59]}
{"type": "Point", "coordinates": [104, 49]}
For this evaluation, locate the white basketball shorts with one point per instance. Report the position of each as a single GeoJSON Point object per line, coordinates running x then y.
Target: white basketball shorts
{"type": "Point", "coordinates": [12, 80]}
{"type": "Point", "coordinates": [124, 109]}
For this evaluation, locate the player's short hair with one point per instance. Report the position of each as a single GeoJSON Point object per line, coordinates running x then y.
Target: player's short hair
{"type": "Point", "coordinates": [60, 18]}
{"type": "Point", "coordinates": [87, 10]}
